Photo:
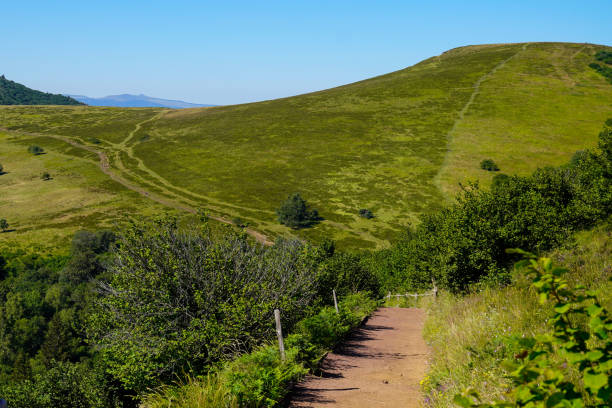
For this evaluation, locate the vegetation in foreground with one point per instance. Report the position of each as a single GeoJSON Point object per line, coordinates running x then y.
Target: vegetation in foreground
{"type": "Point", "coordinates": [159, 301]}
{"type": "Point", "coordinates": [398, 144]}
{"type": "Point", "coordinates": [473, 336]}
{"type": "Point", "coordinates": [261, 378]}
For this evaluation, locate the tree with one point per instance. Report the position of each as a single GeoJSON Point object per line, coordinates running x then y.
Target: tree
{"type": "Point", "coordinates": [36, 150]}
{"type": "Point", "coordinates": [3, 224]}
{"type": "Point", "coordinates": [489, 165]}
{"type": "Point", "coordinates": [1, 169]}
{"type": "Point", "coordinates": [46, 176]}
{"type": "Point", "coordinates": [294, 212]}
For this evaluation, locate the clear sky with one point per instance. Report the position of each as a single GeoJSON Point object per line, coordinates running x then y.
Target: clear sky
{"type": "Point", "coordinates": [225, 52]}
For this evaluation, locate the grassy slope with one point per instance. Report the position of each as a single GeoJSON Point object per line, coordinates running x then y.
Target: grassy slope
{"type": "Point", "coordinates": [537, 109]}
{"type": "Point", "coordinates": [470, 336]}
{"type": "Point", "coordinates": [78, 196]}
{"type": "Point", "coordinates": [379, 144]}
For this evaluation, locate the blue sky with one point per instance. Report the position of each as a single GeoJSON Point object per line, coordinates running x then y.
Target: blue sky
{"type": "Point", "coordinates": [227, 52]}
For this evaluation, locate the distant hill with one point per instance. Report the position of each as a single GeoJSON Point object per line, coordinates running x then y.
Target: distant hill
{"type": "Point", "coordinates": [13, 93]}
{"type": "Point", "coordinates": [135, 101]}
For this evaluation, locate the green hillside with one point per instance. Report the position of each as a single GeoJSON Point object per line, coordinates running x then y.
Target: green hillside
{"type": "Point", "coordinates": [397, 144]}
{"type": "Point", "coordinates": [12, 93]}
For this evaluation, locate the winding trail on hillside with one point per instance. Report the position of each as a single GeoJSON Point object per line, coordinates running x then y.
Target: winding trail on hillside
{"type": "Point", "coordinates": [104, 165]}
{"type": "Point", "coordinates": [380, 365]}
{"type": "Point", "coordinates": [463, 111]}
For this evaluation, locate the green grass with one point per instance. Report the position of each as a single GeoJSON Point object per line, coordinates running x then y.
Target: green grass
{"type": "Point", "coordinates": [397, 144]}
{"type": "Point", "coordinates": [79, 195]}
{"type": "Point", "coordinates": [470, 336]}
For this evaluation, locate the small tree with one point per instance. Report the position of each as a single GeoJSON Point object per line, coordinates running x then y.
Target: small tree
{"type": "Point", "coordinates": [365, 213]}
{"type": "Point", "coordinates": [36, 150]}
{"type": "Point", "coordinates": [3, 224]}
{"type": "Point", "coordinates": [45, 176]}
{"type": "Point", "coordinates": [1, 169]}
{"type": "Point", "coordinates": [489, 165]}
{"type": "Point", "coordinates": [294, 212]}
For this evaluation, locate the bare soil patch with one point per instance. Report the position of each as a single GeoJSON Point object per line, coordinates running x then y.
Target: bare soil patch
{"type": "Point", "coordinates": [380, 365]}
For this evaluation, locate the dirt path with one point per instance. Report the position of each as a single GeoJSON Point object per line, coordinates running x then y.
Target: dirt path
{"type": "Point", "coordinates": [106, 169]}
{"type": "Point", "coordinates": [380, 365]}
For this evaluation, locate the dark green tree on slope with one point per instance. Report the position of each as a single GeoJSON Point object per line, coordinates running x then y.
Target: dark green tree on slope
{"type": "Point", "coordinates": [294, 212]}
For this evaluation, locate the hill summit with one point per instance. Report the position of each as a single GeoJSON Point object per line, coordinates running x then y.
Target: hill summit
{"type": "Point", "coordinates": [13, 93]}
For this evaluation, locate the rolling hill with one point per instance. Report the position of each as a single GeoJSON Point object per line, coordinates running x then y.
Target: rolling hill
{"type": "Point", "coordinates": [398, 144]}
{"type": "Point", "coordinates": [13, 93]}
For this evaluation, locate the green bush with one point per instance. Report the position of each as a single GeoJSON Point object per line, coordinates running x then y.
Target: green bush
{"type": "Point", "coordinates": [294, 212]}
{"type": "Point", "coordinates": [489, 165]}
{"type": "Point", "coordinates": [64, 385]}
{"type": "Point", "coordinates": [178, 300]}
{"type": "Point", "coordinates": [36, 150]}
{"type": "Point", "coordinates": [570, 366]}
{"type": "Point", "coordinates": [365, 213]}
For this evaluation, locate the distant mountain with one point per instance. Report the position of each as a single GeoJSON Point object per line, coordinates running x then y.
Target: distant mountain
{"type": "Point", "coordinates": [13, 93]}
{"type": "Point", "coordinates": [135, 101]}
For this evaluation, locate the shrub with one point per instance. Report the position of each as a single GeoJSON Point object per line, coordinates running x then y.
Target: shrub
{"type": "Point", "coordinates": [294, 212]}
{"type": "Point", "coordinates": [346, 273]}
{"type": "Point", "coordinates": [1, 169]}
{"type": "Point", "coordinates": [65, 385]}
{"type": "Point", "coordinates": [489, 165]}
{"type": "Point", "coordinates": [178, 300]}
{"type": "Point", "coordinates": [365, 213]}
{"type": "Point", "coordinates": [45, 176]}
{"type": "Point", "coordinates": [3, 224]}
{"type": "Point", "coordinates": [36, 150]}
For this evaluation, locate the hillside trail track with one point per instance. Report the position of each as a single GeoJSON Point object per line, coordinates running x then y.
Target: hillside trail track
{"type": "Point", "coordinates": [106, 169]}
{"type": "Point", "coordinates": [464, 110]}
{"type": "Point", "coordinates": [380, 365]}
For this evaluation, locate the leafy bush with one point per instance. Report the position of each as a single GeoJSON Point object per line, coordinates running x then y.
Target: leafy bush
{"type": "Point", "coordinates": [543, 371]}
{"type": "Point", "coordinates": [604, 56]}
{"type": "Point", "coordinates": [294, 212]}
{"type": "Point", "coordinates": [64, 385]}
{"type": "Point", "coordinates": [178, 300]}
{"type": "Point", "coordinates": [45, 176]}
{"type": "Point", "coordinates": [346, 273]}
{"type": "Point", "coordinates": [1, 169]}
{"type": "Point", "coordinates": [4, 224]}
{"type": "Point", "coordinates": [489, 165]}
{"type": "Point", "coordinates": [36, 150]}
{"type": "Point", "coordinates": [365, 213]}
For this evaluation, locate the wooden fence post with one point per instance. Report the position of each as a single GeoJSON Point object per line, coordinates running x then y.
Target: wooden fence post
{"type": "Point", "coordinates": [279, 334]}
{"type": "Point", "coordinates": [335, 301]}
{"type": "Point", "coordinates": [435, 289]}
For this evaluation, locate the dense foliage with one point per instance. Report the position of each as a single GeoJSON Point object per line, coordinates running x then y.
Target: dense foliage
{"type": "Point", "coordinates": [12, 93]}
{"type": "Point", "coordinates": [44, 301]}
{"type": "Point", "coordinates": [605, 70]}
{"type": "Point", "coordinates": [294, 212]}
{"type": "Point", "coordinates": [466, 242]}
{"type": "Point", "coordinates": [177, 299]}
{"type": "Point", "coordinates": [569, 366]}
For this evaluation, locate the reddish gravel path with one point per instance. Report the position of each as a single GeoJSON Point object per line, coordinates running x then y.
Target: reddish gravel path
{"type": "Point", "coordinates": [380, 365]}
